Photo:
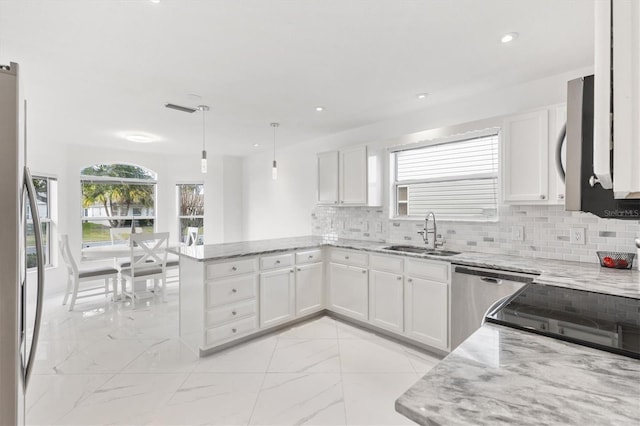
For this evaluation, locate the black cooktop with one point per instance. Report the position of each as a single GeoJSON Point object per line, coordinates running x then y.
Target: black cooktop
{"type": "Point", "coordinates": [601, 321]}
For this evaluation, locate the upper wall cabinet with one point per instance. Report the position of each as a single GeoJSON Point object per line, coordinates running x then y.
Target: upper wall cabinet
{"type": "Point", "coordinates": [526, 157]}
{"type": "Point", "coordinates": [530, 142]}
{"type": "Point", "coordinates": [350, 177]}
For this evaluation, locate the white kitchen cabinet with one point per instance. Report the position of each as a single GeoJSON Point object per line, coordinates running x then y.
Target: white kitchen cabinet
{"type": "Point", "coordinates": [328, 176]}
{"type": "Point", "coordinates": [350, 177]}
{"type": "Point", "coordinates": [309, 288]}
{"type": "Point", "coordinates": [277, 297]}
{"type": "Point", "coordinates": [557, 120]}
{"type": "Point", "coordinates": [426, 310]}
{"type": "Point", "coordinates": [348, 291]}
{"type": "Point", "coordinates": [353, 176]}
{"type": "Point", "coordinates": [386, 300]}
{"type": "Point", "coordinates": [525, 158]}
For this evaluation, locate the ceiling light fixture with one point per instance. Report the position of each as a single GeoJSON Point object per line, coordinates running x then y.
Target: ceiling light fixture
{"type": "Point", "coordinates": [139, 138]}
{"type": "Point", "coordinates": [155, 1]}
{"type": "Point", "coordinates": [255, 145]}
{"type": "Point", "coordinates": [509, 37]}
{"type": "Point", "coordinates": [319, 108]}
{"type": "Point", "coordinates": [422, 95]}
{"type": "Point", "coordinates": [274, 170]}
{"type": "Point", "coordinates": [203, 161]}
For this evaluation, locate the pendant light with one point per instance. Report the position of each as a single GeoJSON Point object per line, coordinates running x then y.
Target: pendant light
{"type": "Point", "coordinates": [203, 161]}
{"type": "Point", "coordinates": [274, 170]}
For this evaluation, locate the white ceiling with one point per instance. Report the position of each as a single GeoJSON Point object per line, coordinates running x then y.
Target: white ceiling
{"type": "Point", "coordinates": [92, 69]}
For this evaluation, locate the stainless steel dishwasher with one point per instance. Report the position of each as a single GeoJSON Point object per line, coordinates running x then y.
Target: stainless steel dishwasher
{"type": "Point", "coordinates": [474, 291]}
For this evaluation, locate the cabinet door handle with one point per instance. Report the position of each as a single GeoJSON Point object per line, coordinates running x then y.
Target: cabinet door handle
{"type": "Point", "coordinates": [299, 269]}
{"type": "Point", "coordinates": [310, 256]}
{"type": "Point", "coordinates": [292, 271]}
{"type": "Point", "coordinates": [277, 262]}
{"type": "Point", "coordinates": [233, 312]}
{"type": "Point", "coordinates": [234, 330]}
{"type": "Point", "coordinates": [234, 290]}
{"type": "Point", "coordinates": [234, 269]}
{"type": "Point", "coordinates": [346, 258]}
{"type": "Point", "coordinates": [543, 197]}
{"type": "Point", "coordinates": [364, 271]}
{"type": "Point", "coordinates": [410, 280]}
{"type": "Point", "coordinates": [560, 196]}
{"type": "Point", "coordinates": [399, 278]}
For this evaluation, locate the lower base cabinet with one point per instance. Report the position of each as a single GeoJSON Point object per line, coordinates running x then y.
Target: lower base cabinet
{"type": "Point", "coordinates": [348, 291]}
{"type": "Point", "coordinates": [386, 300]}
{"type": "Point", "coordinates": [309, 288]}
{"type": "Point", "coordinates": [277, 297]}
{"type": "Point", "coordinates": [426, 311]}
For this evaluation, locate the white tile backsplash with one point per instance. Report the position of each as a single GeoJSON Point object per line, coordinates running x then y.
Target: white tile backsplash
{"type": "Point", "coordinates": [546, 231]}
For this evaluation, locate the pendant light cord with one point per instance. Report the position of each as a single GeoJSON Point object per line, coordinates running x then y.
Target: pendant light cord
{"type": "Point", "coordinates": [203, 129]}
{"type": "Point", "coordinates": [275, 126]}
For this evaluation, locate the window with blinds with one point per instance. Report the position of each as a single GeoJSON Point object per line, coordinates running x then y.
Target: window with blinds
{"type": "Point", "coordinates": [455, 180]}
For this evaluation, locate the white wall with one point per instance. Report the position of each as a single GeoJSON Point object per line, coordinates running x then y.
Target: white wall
{"type": "Point", "coordinates": [283, 208]}
{"type": "Point", "coordinates": [66, 161]}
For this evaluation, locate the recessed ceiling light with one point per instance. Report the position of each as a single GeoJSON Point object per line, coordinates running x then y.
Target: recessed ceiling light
{"type": "Point", "coordinates": [255, 145]}
{"type": "Point", "coordinates": [509, 37]}
{"type": "Point", "coordinates": [319, 108]}
{"type": "Point", "coordinates": [139, 137]}
{"type": "Point", "coordinates": [422, 95]}
{"type": "Point", "coordinates": [155, 1]}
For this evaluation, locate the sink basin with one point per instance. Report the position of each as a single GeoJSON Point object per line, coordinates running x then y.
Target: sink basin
{"type": "Point", "coordinates": [422, 250]}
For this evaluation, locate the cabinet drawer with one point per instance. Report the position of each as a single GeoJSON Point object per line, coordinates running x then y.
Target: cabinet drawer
{"type": "Point", "coordinates": [230, 290]}
{"type": "Point", "coordinates": [349, 257]}
{"type": "Point", "coordinates": [309, 256]}
{"type": "Point", "coordinates": [431, 270]}
{"type": "Point", "coordinates": [235, 267]}
{"type": "Point", "coordinates": [386, 263]}
{"type": "Point", "coordinates": [228, 313]}
{"type": "Point", "coordinates": [276, 261]}
{"type": "Point", "coordinates": [230, 331]}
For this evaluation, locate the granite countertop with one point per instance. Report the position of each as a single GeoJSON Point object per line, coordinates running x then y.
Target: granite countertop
{"type": "Point", "coordinates": [504, 376]}
{"type": "Point", "coordinates": [579, 275]}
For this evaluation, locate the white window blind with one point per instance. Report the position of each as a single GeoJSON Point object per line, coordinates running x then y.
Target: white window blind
{"type": "Point", "coordinates": [455, 180]}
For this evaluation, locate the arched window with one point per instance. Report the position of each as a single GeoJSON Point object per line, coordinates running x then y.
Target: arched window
{"type": "Point", "coordinates": [117, 199]}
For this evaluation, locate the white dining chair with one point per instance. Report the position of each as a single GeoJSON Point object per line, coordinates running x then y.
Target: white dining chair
{"type": "Point", "coordinates": [148, 261]}
{"type": "Point", "coordinates": [77, 276]}
{"type": "Point", "coordinates": [192, 235]}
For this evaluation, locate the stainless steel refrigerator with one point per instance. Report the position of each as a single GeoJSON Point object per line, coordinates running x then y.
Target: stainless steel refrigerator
{"type": "Point", "coordinates": [18, 334]}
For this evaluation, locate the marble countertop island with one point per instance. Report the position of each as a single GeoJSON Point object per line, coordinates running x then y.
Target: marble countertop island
{"type": "Point", "coordinates": [579, 275]}
{"type": "Point", "coordinates": [501, 376]}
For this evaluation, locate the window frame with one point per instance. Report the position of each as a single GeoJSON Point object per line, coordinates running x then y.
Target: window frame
{"type": "Point", "coordinates": [48, 221]}
{"type": "Point", "coordinates": [122, 180]}
{"type": "Point", "coordinates": [395, 185]}
{"type": "Point", "coordinates": [183, 217]}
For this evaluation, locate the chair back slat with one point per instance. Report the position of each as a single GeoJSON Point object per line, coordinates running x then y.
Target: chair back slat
{"type": "Point", "coordinates": [65, 250]}
{"type": "Point", "coordinates": [151, 250]}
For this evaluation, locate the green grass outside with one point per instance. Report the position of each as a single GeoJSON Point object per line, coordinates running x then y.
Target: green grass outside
{"type": "Point", "coordinates": [93, 232]}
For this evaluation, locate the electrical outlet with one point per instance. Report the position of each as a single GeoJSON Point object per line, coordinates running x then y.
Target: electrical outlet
{"type": "Point", "coordinates": [578, 236]}
{"type": "Point", "coordinates": [517, 233]}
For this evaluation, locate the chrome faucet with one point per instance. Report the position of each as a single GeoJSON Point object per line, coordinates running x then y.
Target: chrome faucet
{"type": "Point", "coordinates": [433, 243]}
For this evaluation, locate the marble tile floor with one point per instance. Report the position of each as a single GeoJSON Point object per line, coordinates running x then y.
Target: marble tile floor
{"type": "Point", "coordinates": [106, 363]}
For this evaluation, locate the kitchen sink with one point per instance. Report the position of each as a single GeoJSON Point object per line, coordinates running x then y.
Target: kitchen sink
{"type": "Point", "coordinates": [422, 250]}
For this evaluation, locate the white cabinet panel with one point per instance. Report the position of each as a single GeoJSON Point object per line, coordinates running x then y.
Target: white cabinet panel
{"type": "Point", "coordinates": [233, 267]}
{"type": "Point", "coordinates": [309, 279]}
{"type": "Point", "coordinates": [386, 300]}
{"type": "Point", "coordinates": [557, 120]}
{"type": "Point", "coordinates": [230, 290]}
{"type": "Point", "coordinates": [277, 297]}
{"type": "Point", "coordinates": [353, 175]}
{"type": "Point", "coordinates": [229, 313]}
{"type": "Point", "coordinates": [227, 332]}
{"type": "Point", "coordinates": [430, 269]}
{"type": "Point", "coordinates": [328, 178]}
{"type": "Point", "coordinates": [427, 311]}
{"type": "Point", "coordinates": [348, 291]}
{"type": "Point", "coordinates": [525, 159]}
{"type": "Point", "coordinates": [310, 256]}
{"type": "Point", "coordinates": [349, 257]}
{"type": "Point", "coordinates": [276, 261]}
{"type": "Point", "coordinates": [387, 263]}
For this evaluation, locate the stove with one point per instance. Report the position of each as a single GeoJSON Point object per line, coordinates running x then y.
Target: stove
{"type": "Point", "coordinates": [601, 321]}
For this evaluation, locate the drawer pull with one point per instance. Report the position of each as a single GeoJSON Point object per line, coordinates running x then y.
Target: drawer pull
{"type": "Point", "coordinates": [399, 278]}
{"type": "Point", "coordinates": [299, 269]}
{"type": "Point", "coordinates": [410, 280]}
{"type": "Point", "coordinates": [234, 330]}
{"type": "Point", "coordinates": [364, 271]}
{"type": "Point", "coordinates": [310, 256]}
{"type": "Point", "coordinates": [234, 291]}
{"type": "Point", "coordinates": [346, 257]}
{"type": "Point", "coordinates": [233, 312]}
{"type": "Point", "coordinates": [292, 271]}
{"type": "Point", "coordinates": [234, 269]}
{"type": "Point", "coordinates": [277, 262]}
